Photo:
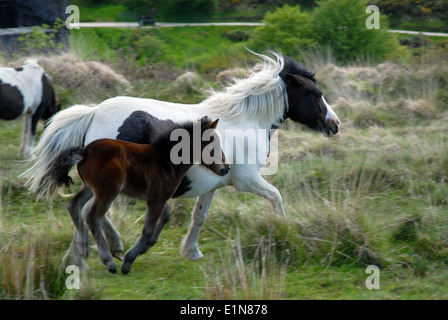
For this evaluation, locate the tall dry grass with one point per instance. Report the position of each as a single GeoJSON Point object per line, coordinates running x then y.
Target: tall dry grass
{"type": "Point", "coordinates": [384, 94]}
{"type": "Point", "coordinates": [31, 270]}
{"type": "Point", "coordinates": [235, 277]}
{"type": "Point", "coordinates": [373, 195]}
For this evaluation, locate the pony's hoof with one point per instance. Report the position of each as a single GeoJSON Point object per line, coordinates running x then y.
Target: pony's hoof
{"type": "Point", "coordinates": [192, 254]}
{"type": "Point", "coordinates": [71, 259]}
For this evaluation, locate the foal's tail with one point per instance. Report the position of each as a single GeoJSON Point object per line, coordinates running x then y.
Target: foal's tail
{"type": "Point", "coordinates": [65, 130]}
{"type": "Point", "coordinates": [59, 170]}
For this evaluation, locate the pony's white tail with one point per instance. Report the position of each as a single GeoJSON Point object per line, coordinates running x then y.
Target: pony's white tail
{"type": "Point", "coordinates": [65, 130]}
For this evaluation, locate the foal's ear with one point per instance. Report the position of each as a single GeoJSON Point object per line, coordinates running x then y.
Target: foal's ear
{"type": "Point", "coordinates": [214, 124]}
{"type": "Point", "coordinates": [211, 125]}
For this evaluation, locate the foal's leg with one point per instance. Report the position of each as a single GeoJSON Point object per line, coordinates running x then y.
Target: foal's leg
{"type": "Point", "coordinates": [189, 246]}
{"type": "Point", "coordinates": [80, 243]}
{"type": "Point", "coordinates": [94, 219]}
{"type": "Point", "coordinates": [157, 216]}
{"type": "Point", "coordinates": [113, 239]}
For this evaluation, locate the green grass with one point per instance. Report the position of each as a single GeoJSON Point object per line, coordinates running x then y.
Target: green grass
{"type": "Point", "coordinates": [104, 13]}
{"type": "Point", "coordinates": [335, 207]}
{"type": "Point", "coordinates": [118, 13]}
{"type": "Point", "coordinates": [376, 193]}
{"type": "Point", "coordinates": [194, 48]}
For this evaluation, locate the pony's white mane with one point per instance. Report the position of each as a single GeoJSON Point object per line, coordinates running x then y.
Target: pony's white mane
{"type": "Point", "coordinates": [262, 96]}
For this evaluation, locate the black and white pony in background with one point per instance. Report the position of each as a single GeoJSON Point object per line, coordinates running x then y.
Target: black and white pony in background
{"type": "Point", "coordinates": [280, 90]}
{"type": "Point", "coordinates": [27, 91]}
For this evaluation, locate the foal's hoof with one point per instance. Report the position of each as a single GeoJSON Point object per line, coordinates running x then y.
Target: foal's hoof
{"type": "Point", "coordinates": [112, 267]}
{"type": "Point", "coordinates": [119, 255]}
{"type": "Point", "coordinates": [125, 268]}
{"type": "Point", "coordinates": [112, 270]}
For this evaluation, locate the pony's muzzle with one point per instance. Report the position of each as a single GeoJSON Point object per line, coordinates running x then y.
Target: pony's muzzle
{"type": "Point", "coordinates": [331, 127]}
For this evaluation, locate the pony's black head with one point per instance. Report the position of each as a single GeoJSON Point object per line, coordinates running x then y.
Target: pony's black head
{"type": "Point", "coordinates": [306, 103]}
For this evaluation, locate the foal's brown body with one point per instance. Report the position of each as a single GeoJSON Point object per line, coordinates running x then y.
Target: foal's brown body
{"type": "Point", "coordinates": [112, 167]}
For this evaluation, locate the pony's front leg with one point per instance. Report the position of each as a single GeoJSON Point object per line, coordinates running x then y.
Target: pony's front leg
{"type": "Point", "coordinates": [244, 179]}
{"type": "Point", "coordinates": [27, 143]}
{"type": "Point", "coordinates": [150, 234]}
{"type": "Point", "coordinates": [189, 246]}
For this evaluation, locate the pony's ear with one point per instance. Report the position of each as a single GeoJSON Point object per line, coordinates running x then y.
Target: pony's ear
{"type": "Point", "coordinates": [295, 79]}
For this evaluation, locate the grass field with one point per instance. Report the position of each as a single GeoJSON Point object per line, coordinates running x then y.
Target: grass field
{"type": "Point", "coordinates": [375, 194]}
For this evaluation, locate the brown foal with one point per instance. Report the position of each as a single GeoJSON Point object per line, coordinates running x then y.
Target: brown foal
{"type": "Point", "coordinates": [111, 167]}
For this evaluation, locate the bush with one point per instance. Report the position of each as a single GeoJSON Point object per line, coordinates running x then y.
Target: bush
{"type": "Point", "coordinates": [151, 47]}
{"type": "Point", "coordinates": [340, 25]}
{"type": "Point", "coordinates": [287, 29]}
{"type": "Point", "coordinates": [41, 39]}
{"type": "Point", "coordinates": [236, 35]}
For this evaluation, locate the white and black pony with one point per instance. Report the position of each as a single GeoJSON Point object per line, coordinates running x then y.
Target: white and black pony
{"type": "Point", "coordinates": [281, 89]}
{"type": "Point", "coordinates": [27, 91]}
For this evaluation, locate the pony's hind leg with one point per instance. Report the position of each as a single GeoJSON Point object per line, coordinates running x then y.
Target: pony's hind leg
{"type": "Point", "coordinates": [79, 246]}
{"type": "Point", "coordinates": [189, 246]}
{"type": "Point", "coordinates": [150, 234]}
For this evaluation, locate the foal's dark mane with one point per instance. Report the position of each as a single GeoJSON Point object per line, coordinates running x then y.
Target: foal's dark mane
{"type": "Point", "coordinates": [163, 142]}
{"type": "Point", "coordinates": [291, 66]}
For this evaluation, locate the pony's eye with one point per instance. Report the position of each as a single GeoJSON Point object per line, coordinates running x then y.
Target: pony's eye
{"type": "Point", "coordinates": [317, 94]}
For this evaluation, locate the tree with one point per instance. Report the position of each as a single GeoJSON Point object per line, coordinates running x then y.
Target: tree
{"type": "Point", "coordinates": [170, 6]}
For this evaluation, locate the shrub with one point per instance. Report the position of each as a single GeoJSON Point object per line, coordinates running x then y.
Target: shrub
{"type": "Point", "coordinates": [236, 35]}
{"type": "Point", "coordinates": [287, 29]}
{"type": "Point", "coordinates": [41, 39]}
{"type": "Point", "coordinates": [151, 47]}
{"type": "Point", "coordinates": [340, 25]}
